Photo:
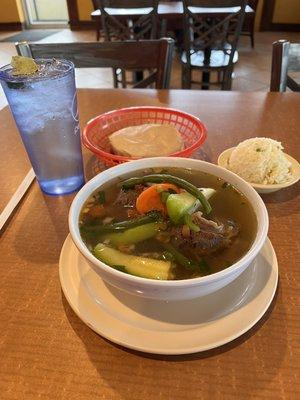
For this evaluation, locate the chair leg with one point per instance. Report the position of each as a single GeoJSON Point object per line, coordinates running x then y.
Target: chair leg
{"type": "Point", "coordinates": [137, 76]}
{"type": "Point", "coordinates": [251, 31]}
{"type": "Point", "coordinates": [220, 76]}
{"type": "Point", "coordinates": [98, 30]}
{"type": "Point", "coordinates": [123, 78]}
{"type": "Point", "coordinates": [115, 78]}
{"type": "Point", "coordinates": [186, 78]}
{"type": "Point", "coordinates": [252, 39]}
{"type": "Point", "coordinates": [227, 79]}
{"type": "Point", "coordinates": [205, 80]}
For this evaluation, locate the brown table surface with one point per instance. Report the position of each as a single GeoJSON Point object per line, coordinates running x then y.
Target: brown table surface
{"type": "Point", "coordinates": [46, 352]}
{"type": "Point", "coordinates": [168, 9]}
{"type": "Point", "coordinates": [14, 163]}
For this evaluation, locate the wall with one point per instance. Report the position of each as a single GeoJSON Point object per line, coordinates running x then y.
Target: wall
{"type": "Point", "coordinates": [287, 11]}
{"type": "Point", "coordinates": [20, 10]}
{"type": "Point", "coordinates": [85, 8]}
{"type": "Point", "coordinates": [11, 11]}
{"type": "Point", "coordinates": [258, 15]}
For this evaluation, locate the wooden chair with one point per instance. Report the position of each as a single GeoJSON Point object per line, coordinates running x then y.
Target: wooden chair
{"type": "Point", "coordinates": [210, 41]}
{"type": "Point", "coordinates": [117, 26]}
{"type": "Point", "coordinates": [248, 26]}
{"type": "Point", "coordinates": [285, 59]}
{"type": "Point", "coordinates": [155, 55]}
{"type": "Point", "coordinates": [96, 6]}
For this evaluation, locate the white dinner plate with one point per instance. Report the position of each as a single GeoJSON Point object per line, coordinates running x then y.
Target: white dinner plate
{"type": "Point", "coordinates": [261, 188]}
{"type": "Point", "coordinates": [176, 327]}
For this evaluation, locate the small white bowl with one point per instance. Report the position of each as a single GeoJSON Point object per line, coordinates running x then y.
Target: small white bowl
{"type": "Point", "coordinates": [260, 188]}
{"type": "Point", "coordinates": [176, 289]}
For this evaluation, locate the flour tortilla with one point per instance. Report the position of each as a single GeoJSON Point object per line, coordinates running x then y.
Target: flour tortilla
{"type": "Point", "coordinates": [147, 140]}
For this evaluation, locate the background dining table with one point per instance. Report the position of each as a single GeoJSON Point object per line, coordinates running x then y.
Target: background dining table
{"type": "Point", "coordinates": [47, 352]}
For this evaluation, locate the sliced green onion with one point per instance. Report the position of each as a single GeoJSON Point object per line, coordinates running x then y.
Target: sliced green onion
{"type": "Point", "coordinates": [189, 222]}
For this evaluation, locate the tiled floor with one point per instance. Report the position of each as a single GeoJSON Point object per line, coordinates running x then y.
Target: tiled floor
{"type": "Point", "coordinates": [251, 73]}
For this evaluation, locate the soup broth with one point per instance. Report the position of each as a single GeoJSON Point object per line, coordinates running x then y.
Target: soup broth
{"type": "Point", "coordinates": [128, 226]}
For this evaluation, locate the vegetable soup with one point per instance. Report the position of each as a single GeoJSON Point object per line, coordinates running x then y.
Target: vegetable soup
{"type": "Point", "coordinates": [175, 224]}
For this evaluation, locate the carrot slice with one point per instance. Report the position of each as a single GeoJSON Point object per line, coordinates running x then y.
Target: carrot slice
{"type": "Point", "coordinates": [150, 199]}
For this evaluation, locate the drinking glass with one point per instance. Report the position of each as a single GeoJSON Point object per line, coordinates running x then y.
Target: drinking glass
{"type": "Point", "coordinates": [44, 106]}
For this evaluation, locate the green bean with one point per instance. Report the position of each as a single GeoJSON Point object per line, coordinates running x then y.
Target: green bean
{"type": "Point", "coordinates": [121, 226]}
{"type": "Point", "coordinates": [161, 178]}
{"type": "Point", "coordinates": [180, 258]}
{"type": "Point", "coordinates": [184, 261]}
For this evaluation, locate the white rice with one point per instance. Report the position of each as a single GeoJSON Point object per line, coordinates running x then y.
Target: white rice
{"type": "Point", "coordinates": [260, 160]}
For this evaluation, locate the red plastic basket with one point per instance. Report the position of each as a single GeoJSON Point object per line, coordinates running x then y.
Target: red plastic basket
{"type": "Point", "coordinates": [96, 132]}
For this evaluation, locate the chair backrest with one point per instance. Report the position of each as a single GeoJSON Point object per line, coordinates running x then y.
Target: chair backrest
{"type": "Point", "coordinates": [213, 31]}
{"type": "Point", "coordinates": [253, 4]}
{"type": "Point", "coordinates": [96, 4]}
{"type": "Point", "coordinates": [285, 58]}
{"type": "Point", "coordinates": [143, 26]}
{"type": "Point", "coordinates": [155, 55]}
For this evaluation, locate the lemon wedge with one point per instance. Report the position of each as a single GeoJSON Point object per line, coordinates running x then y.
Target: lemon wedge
{"type": "Point", "coordinates": [23, 65]}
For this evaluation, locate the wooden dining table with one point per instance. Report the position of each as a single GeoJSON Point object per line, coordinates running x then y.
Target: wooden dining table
{"type": "Point", "coordinates": [47, 352]}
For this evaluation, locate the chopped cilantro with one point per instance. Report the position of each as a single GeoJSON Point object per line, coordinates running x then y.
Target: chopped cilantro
{"type": "Point", "coordinates": [101, 197]}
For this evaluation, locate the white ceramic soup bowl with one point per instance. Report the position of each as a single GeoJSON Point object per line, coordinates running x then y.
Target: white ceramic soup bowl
{"type": "Point", "coordinates": [168, 290]}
